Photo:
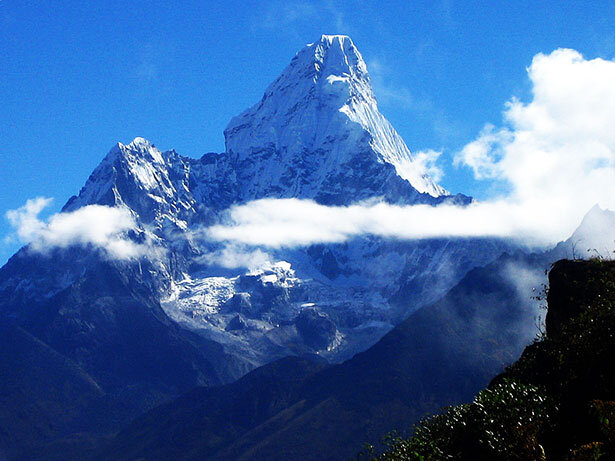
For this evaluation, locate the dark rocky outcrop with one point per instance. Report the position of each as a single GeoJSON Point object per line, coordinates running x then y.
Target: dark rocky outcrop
{"type": "Point", "coordinates": [557, 402]}
{"type": "Point", "coordinates": [575, 285]}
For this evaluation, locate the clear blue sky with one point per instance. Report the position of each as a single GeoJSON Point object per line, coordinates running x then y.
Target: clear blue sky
{"type": "Point", "coordinates": [78, 76]}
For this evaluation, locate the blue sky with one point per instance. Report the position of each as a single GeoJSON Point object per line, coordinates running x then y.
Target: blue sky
{"type": "Point", "coordinates": [78, 76]}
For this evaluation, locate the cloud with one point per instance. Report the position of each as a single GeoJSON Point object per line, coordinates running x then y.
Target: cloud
{"type": "Point", "coordinates": [558, 149]}
{"type": "Point", "coordinates": [233, 255]}
{"type": "Point", "coordinates": [555, 154]}
{"type": "Point", "coordinates": [96, 225]}
{"type": "Point", "coordinates": [426, 162]}
{"type": "Point", "coordinates": [482, 154]}
{"type": "Point", "coordinates": [285, 223]}
{"type": "Point", "coordinates": [530, 284]}
{"type": "Point", "coordinates": [25, 219]}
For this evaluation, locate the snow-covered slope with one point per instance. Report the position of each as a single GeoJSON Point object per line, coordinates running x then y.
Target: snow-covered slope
{"type": "Point", "coordinates": [316, 134]}
{"type": "Point", "coordinates": [321, 114]}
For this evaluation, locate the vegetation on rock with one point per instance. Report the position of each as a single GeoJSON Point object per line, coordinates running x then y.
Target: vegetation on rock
{"type": "Point", "coordinates": [557, 402]}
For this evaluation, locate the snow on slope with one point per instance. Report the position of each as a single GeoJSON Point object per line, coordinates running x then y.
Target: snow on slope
{"type": "Point", "coordinates": [323, 101]}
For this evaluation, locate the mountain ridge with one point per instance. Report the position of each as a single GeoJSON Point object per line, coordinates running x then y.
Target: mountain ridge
{"type": "Point", "coordinates": [438, 356]}
{"type": "Point", "coordinates": [177, 316]}
{"type": "Point", "coordinates": [170, 196]}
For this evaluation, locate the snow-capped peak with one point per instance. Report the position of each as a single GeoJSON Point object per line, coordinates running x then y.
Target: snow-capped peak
{"type": "Point", "coordinates": [336, 56]}
{"type": "Point", "coordinates": [132, 175]}
{"type": "Point", "coordinates": [141, 147]}
{"type": "Point", "coordinates": [324, 101]}
{"type": "Point", "coordinates": [334, 37]}
{"type": "Point", "coordinates": [139, 143]}
{"type": "Point", "coordinates": [595, 236]}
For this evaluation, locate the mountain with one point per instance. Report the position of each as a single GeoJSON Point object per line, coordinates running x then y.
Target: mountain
{"type": "Point", "coordinates": [317, 133]}
{"type": "Point", "coordinates": [595, 236]}
{"type": "Point", "coordinates": [42, 394]}
{"type": "Point", "coordinates": [184, 313]}
{"type": "Point", "coordinates": [440, 355]}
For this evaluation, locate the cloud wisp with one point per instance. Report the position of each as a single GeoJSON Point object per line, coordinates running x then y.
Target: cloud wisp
{"type": "Point", "coordinates": [99, 226]}
{"type": "Point", "coordinates": [286, 223]}
{"type": "Point", "coordinates": [234, 255]}
{"type": "Point", "coordinates": [555, 154]}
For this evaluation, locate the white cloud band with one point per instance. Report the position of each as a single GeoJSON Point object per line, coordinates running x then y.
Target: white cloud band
{"type": "Point", "coordinates": [283, 223]}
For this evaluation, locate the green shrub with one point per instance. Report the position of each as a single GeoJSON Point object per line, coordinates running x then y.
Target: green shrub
{"type": "Point", "coordinates": [501, 423]}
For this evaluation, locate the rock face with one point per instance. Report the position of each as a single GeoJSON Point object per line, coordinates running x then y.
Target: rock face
{"type": "Point", "coordinates": [572, 364]}
{"type": "Point", "coordinates": [316, 134]}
